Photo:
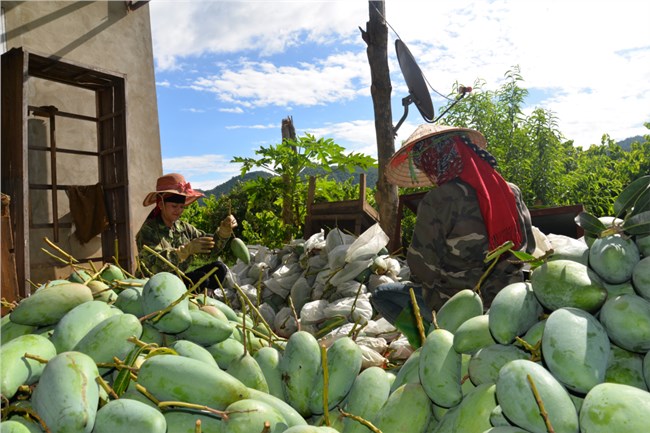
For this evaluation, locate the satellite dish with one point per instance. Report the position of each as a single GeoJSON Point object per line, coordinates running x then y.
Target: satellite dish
{"type": "Point", "coordinates": [418, 91]}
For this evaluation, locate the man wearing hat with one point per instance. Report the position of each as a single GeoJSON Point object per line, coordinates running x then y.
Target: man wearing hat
{"type": "Point", "coordinates": [175, 240]}
{"type": "Point", "coordinates": [470, 211]}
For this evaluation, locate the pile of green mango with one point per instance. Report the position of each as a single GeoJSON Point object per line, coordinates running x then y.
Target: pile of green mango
{"type": "Point", "coordinates": [567, 351]}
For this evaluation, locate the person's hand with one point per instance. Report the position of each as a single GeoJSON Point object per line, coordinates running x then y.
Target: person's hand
{"type": "Point", "coordinates": [226, 226]}
{"type": "Point", "coordinates": [202, 245]}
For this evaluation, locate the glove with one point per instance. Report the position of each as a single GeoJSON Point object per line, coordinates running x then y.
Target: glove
{"type": "Point", "coordinates": [202, 245]}
{"type": "Point", "coordinates": [225, 228]}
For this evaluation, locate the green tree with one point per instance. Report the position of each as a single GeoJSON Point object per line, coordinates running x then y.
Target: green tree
{"type": "Point", "coordinates": [288, 161]}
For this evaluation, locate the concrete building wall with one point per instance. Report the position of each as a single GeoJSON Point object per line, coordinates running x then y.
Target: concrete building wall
{"type": "Point", "coordinates": [103, 35]}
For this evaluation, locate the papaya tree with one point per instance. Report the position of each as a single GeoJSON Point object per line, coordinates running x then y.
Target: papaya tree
{"type": "Point", "coordinates": [288, 161]}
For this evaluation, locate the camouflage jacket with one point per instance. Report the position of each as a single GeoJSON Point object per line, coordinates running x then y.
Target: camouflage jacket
{"type": "Point", "coordinates": [166, 241]}
{"type": "Point", "coordinates": [450, 243]}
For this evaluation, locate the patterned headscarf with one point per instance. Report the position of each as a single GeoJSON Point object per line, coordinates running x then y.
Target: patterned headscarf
{"type": "Point", "coordinates": [450, 156]}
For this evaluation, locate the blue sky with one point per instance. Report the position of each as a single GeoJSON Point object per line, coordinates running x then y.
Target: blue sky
{"type": "Point", "coordinates": [228, 72]}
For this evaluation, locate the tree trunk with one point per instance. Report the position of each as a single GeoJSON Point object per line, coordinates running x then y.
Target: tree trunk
{"type": "Point", "coordinates": [376, 37]}
{"type": "Point", "coordinates": [288, 133]}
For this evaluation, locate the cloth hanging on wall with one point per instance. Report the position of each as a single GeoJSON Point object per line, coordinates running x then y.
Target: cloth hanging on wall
{"type": "Point", "coordinates": [88, 210]}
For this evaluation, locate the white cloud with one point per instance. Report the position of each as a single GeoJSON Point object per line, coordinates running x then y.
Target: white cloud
{"type": "Point", "coordinates": [266, 27]}
{"type": "Point", "coordinates": [235, 110]}
{"type": "Point", "coordinates": [202, 169]}
{"type": "Point", "coordinates": [258, 84]}
{"type": "Point", "coordinates": [257, 126]}
{"type": "Point", "coordinates": [591, 59]}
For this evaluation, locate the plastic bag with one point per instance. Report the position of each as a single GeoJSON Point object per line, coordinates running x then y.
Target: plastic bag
{"type": "Point", "coordinates": [336, 238]}
{"type": "Point", "coordinates": [343, 307]}
{"type": "Point", "coordinates": [300, 293]}
{"type": "Point", "coordinates": [368, 244]}
{"type": "Point", "coordinates": [284, 323]}
{"type": "Point", "coordinates": [314, 311]}
{"type": "Point", "coordinates": [370, 358]}
{"type": "Point", "coordinates": [350, 271]}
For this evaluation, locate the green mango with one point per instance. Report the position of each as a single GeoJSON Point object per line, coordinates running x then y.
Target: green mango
{"type": "Point", "coordinates": [111, 273]}
{"type": "Point", "coordinates": [612, 407]}
{"type": "Point", "coordinates": [12, 426]}
{"type": "Point", "coordinates": [16, 369]}
{"type": "Point", "coordinates": [178, 378]}
{"type": "Point", "coordinates": [129, 301]}
{"type": "Point", "coordinates": [613, 258]}
{"type": "Point", "coordinates": [268, 358]}
{"type": "Point", "coordinates": [67, 394]}
{"type": "Point", "coordinates": [47, 306]}
{"type": "Point", "coordinates": [367, 396]}
{"type": "Point", "coordinates": [184, 421]}
{"type": "Point", "coordinates": [249, 415]}
{"type": "Point", "coordinates": [641, 278]}
{"type": "Point", "coordinates": [475, 409]}
{"type": "Point", "coordinates": [158, 293]}
{"type": "Point", "coordinates": [440, 369]}
{"type": "Point", "coordinates": [568, 248]}
{"type": "Point", "coordinates": [485, 364]}
{"type": "Point", "coordinates": [246, 369]}
{"type": "Point", "coordinates": [457, 309]}
{"type": "Point", "coordinates": [578, 359]}
{"type": "Point", "coordinates": [515, 396]}
{"type": "Point", "coordinates": [626, 368]}
{"type": "Point", "coordinates": [206, 329]}
{"type": "Point", "coordinates": [626, 319]}
{"type": "Point", "coordinates": [513, 311]}
{"type": "Point", "coordinates": [408, 409]}
{"type": "Point", "coordinates": [343, 365]}
{"type": "Point", "coordinates": [290, 414]}
{"type": "Point", "coordinates": [565, 283]}
{"type": "Point", "coordinates": [473, 334]}
{"type": "Point", "coordinates": [10, 330]}
{"type": "Point", "coordinates": [409, 372]}
{"type": "Point", "coordinates": [226, 352]}
{"type": "Point", "coordinates": [192, 350]}
{"type": "Point", "coordinates": [77, 322]}
{"type": "Point", "coordinates": [299, 366]}
{"type": "Point", "coordinates": [129, 416]}
{"type": "Point", "coordinates": [109, 339]}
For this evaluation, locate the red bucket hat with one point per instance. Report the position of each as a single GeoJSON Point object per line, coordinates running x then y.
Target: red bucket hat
{"type": "Point", "coordinates": [173, 183]}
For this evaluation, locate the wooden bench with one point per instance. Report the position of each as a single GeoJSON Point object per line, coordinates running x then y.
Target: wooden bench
{"type": "Point", "coordinates": [353, 216]}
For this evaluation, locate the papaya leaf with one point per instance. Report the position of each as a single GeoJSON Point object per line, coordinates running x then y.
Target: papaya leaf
{"type": "Point", "coordinates": [642, 204]}
{"type": "Point", "coordinates": [589, 223]}
{"type": "Point", "coordinates": [638, 224]}
{"type": "Point", "coordinates": [626, 199]}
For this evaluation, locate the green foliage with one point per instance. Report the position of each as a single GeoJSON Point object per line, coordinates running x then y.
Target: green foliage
{"type": "Point", "coordinates": [532, 152]}
{"type": "Point", "coordinates": [276, 207]}
{"type": "Point", "coordinates": [530, 149]}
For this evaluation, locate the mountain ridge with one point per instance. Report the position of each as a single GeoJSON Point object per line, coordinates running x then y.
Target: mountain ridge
{"type": "Point", "coordinates": [341, 175]}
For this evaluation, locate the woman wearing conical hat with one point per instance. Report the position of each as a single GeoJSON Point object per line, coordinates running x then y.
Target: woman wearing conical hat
{"type": "Point", "coordinates": [175, 240]}
{"type": "Point", "coordinates": [471, 210]}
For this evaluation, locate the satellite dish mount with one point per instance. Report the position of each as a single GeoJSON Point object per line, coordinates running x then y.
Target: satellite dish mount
{"type": "Point", "coordinates": [417, 86]}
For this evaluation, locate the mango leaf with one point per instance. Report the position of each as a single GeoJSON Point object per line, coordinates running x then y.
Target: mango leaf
{"type": "Point", "coordinates": [589, 223]}
{"type": "Point", "coordinates": [406, 323]}
{"type": "Point", "coordinates": [638, 224]}
{"type": "Point", "coordinates": [626, 199]}
{"type": "Point", "coordinates": [123, 379]}
{"type": "Point", "coordinates": [642, 203]}
{"type": "Point", "coordinates": [532, 261]}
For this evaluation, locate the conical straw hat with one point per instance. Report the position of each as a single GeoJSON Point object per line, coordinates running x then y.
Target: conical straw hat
{"type": "Point", "coordinates": [402, 172]}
